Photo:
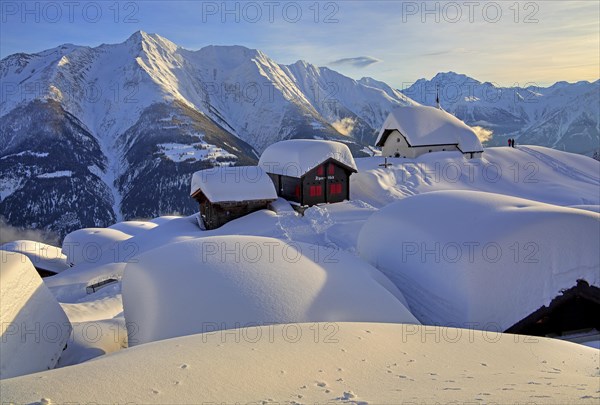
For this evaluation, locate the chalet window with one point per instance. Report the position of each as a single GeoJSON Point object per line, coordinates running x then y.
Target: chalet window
{"type": "Point", "coordinates": [335, 188]}
{"type": "Point", "coordinates": [316, 191]}
{"type": "Point", "coordinates": [331, 169]}
{"type": "Point", "coordinates": [320, 170]}
{"type": "Point", "coordinates": [297, 191]}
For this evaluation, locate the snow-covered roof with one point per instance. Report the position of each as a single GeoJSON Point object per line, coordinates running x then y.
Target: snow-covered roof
{"type": "Point", "coordinates": [261, 286]}
{"type": "Point", "coordinates": [28, 305]}
{"type": "Point", "coordinates": [296, 157]}
{"type": "Point", "coordinates": [93, 245]}
{"type": "Point", "coordinates": [494, 260]}
{"type": "Point", "coordinates": [239, 183]}
{"type": "Point", "coordinates": [43, 256]}
{"type": "Point", "coordinates": [423, 125]}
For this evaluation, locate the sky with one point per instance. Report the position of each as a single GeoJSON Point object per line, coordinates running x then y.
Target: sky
{"type": "Point", "coordinates": [508, 43]}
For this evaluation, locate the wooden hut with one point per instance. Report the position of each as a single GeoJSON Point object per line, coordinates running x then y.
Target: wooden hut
{"type": "Point", "coordinates": [227, 193]}
{"type": "Point", "coordinates": [574, 312]}
{"type": "Point", "coordinates": [308, 172]}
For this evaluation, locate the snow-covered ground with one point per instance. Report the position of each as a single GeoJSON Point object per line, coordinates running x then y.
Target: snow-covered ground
{"type": "Point", "coordinates": [171, 282]}
{"type": "Point", "coordinates": [334, 363]}
{"type": "Point", "coordinates": [178, 152]}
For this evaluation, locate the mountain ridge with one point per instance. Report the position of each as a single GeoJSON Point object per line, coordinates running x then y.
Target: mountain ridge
{"type": "Point", "coordinates": [142, 115]}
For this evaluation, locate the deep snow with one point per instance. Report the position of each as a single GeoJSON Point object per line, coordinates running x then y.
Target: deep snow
{"type": "Point", "coordinates": [167, 248]}
{"type": "Point", "coordinates": [474, 259]}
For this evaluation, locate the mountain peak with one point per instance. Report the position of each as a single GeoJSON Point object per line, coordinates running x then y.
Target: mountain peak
{"type": "Point", "coordinates": [451, 76]}
{"type": "Point", "coordinates": [140, 37]}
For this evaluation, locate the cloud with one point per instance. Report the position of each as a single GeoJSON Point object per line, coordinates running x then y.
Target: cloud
{"type": "Point", "coordinates": [357, 62]}
{"type": "Point", "coordinates": [10, 233]}
{"type": "Point", "coordinates": [344, 126]}
{"type": "Point", "coordinates": [484, 135]}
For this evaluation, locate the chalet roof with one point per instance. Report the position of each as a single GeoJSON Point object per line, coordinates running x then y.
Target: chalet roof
{"type": "Point", "coordinates": [296, 157]}
{"type": "Point", "coordinates": [238, 183]}
{"type": "Point", "coordinates": [428, 126]}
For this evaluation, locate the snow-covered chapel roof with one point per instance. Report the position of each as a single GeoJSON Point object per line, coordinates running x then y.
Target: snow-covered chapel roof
{"type": "Point", "coordinates": [422, 125]}
{"type": "Point", "coordinates": [239, 183]}
{"type": "Point", "coordinates": [296, 157]}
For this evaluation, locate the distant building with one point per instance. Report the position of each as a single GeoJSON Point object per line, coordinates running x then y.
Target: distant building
{"type": "Point", "coordinates": [228, 193]}
{"type": "Point", "coordinates": [308, 172]}
{"type": "Point", "coordinates": [409, 132]}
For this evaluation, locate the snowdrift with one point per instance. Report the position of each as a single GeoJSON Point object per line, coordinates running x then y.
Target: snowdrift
{"type": "Point", "coordinates": [227, 282]}
{"type": "Point", "coordinates": [474, 259]}
{"type": "Point", "coordinates": [35, 329]}
{"type": "Point", "coordinates": [325, 363]}
{"type": "Point", "coordinates": [531, 172]}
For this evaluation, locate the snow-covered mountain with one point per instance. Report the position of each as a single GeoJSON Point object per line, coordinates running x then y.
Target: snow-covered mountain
{"type": "Point", "coordinates": [564, 116]}
{"type": "Point", "coordinates": [92, 135]}
{"type": "Point", "coordinates": [89, 136]}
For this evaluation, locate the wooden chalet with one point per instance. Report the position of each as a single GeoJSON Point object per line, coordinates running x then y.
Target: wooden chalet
{"type": "Point", "coordinates": [573, 312]}
{"type": "Point", "coordinates": [228, 193]}
{"type": "Point", "coordinates": [309, 172]}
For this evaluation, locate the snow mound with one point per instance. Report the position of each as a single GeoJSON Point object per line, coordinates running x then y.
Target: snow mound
{"type": "Point", "coordinates": [226, 282]}
{"type": "Point", "coordinates": [35, 329]}
{"type": "Point", "coordinates": [472, 258]}
{"type": "Point", "coordinates": [239, 183]}
{"type": "Point", "coordinates": [296, 157]}
{"type": "Point", "coordinates": [326, 363]}
{"type": "Point", "coordinates": [423, 125]}
{"type": "Point", "coordinates": [41, 255]}
{"type": "Point", "coordinates": [133, 227]}
{"type": "Point", "coordinates": [93, 245]}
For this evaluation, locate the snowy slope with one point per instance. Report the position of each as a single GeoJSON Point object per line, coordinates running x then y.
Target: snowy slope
{"type": "Point", "coordinates": [345, 363]}
{"type": "Point", "coordinates": [530, 172]}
